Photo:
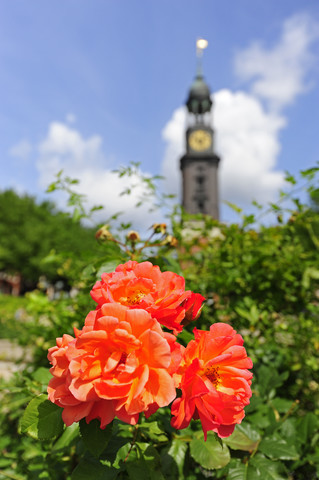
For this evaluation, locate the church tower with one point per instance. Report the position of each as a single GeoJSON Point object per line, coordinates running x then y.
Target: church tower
{"type": "Point", "coordinates": [199, 165]}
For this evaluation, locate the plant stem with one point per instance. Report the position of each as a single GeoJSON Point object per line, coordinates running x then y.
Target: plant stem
{"type": "Point", "coordinates": [132, 444]}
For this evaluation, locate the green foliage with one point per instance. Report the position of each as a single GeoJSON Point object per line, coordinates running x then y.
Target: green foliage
{"type": "Point", "coordinates": [75, 200]}
{"type": "Point", "coordinates": [151, 194]}
{"type": "Point", "coordinates": [37, 240]}
{"type": "Point", "coordinates": [244, 438]}
{"type": "Point", "coordinates": [95, 439]}
{"type": "Point", "coordinates": [210, 454]}
{"type": "Point", "coordinates": [263, 281]}
{"type": "Point", "coordinates": [42, 419]}
{"type": "Point", "coordinates": [270, 266]}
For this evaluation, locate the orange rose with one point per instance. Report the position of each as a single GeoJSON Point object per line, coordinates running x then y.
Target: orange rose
{"type": "Point", "coordinates": [120, 364]}
{"type": "Point", "coordinates": [143, 285]}
{"type": "Point", "coordinates": [214, 380]}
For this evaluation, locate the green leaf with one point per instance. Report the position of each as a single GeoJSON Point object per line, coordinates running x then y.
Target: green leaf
{"type": "Point", "coordinates": [233, 207]}
{"type": "Point", "coordinates": [122, 453]}
{"type": "Point", "coordinates": [42, 375]}
{"type": "Point", "coordinates": [158, 177]}
{"type": "Point", "coordinates": [209, 454]}
{"type": "Point", "coordinates": [249, 219]}
{"type": "Point", "coordinates": [309, 274]}
{"type": "Point", "coordinates": [117, 449]}
{"type": "Point", "coordinates": [269, 379]}
{"type": "Point", "coordinates": [94, 437]}
{"type": "Point", "coordinates": [11, 474]}
{"type": "Point", "coordinates": [288, 429]}
{"type": "Point", "coordinates": [145, 465]}
{"type": "Point", "coordinates": [95, 208]}
{"type": "Point", "coordinates": [265, 469]}
{"type": "Point", "coordinates": [169, 467]}
{"type": "Point", "coordinates": [77, 215]}
{"type": "Point", "coordinates": [67, 437]}
{"type": "Point", "coordinates": [107, 267]}
{"type": "Point", "coordinates": [238, 472]}
{"type": "Point", "coordinates": [310, 172]}
{"type": "Point", "coordinates": [4, 442]}
{"type": "Point", "coordinates": [175, 452]}
{"type": "Point", "coordinates": [90, 468]}
{"type": "Point", "coordinates": [256, 204]}
{"type": "Point", "coordinates": [244, 438]}
{"type": "Point", "coordinates": [42, 419]}
{"type": "Point", "coordinates": [277, 448]}
{"type": "Point", "coordinates": [5, 462]}
{"type": "Point", "coordinates": [251, 315]}
{"type": "Point", "coordinates": [141, 461]}
{"type": "Point", "coordinates": [290, 178]}
{"type": "Point", "coordinates": [88, 271]}
{"type": "Point", "coordinates": [273, 422]}
{"type": "Point", "coordinates": [152, 431]}
{"type": "Point", "coordinates": [274, 207]}
{"type": "Point", "coordinates": [282, 405]}
{"type": "Point", "coordinates": [307, 426]}
{"type": "Point", "coordinates": [51, 188]}
{"type": "Point", "coordinates": [258, 468]}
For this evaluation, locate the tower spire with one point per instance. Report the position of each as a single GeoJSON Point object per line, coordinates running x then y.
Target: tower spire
{"type": "Point", "coordinates": [199, 165]}
{"type": "Point", "coordinates": [201, 44]}
{"type": "Point", "coordinates": [199, 101]}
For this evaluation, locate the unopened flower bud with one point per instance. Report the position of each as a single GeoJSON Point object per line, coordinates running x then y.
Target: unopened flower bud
{"type": "Point", "coordinates": [133, 236]}
{"type": "Point", "coordinates": [159, 228]}
{"type": "Point", "coordinates": [193, 307]}
{"type": "Point", "coordinates": [170, 241]}
{"type": "Point", "coordinates": [103, 234]}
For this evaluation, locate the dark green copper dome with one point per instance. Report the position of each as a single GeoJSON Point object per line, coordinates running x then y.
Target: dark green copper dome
{"type": "Point", "coordinates": [199, 100]}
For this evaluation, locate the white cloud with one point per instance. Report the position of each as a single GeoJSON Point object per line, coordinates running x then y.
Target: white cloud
{"type": "Point", "coordinates": [247, 140]}
{"type": "Point", "coordinates": [279, 74]}
{"type": "Point", "coordinates": [21, 150]}
{"type": "Point", "coordinates": [65, 148]}
{"type": "Point", "coordinates": [247, 130]}
{"type": "Point", "coordinates": [174, 136]}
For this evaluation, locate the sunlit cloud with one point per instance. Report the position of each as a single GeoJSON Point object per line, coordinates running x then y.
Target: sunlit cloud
{"type": "Point", "coordinates": [83, 158]}
{"type": "Point", "coordinates": [279, 74]}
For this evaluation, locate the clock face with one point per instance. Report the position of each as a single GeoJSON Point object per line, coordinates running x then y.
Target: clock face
{"type": "Point", "coordinates": [200, 140]}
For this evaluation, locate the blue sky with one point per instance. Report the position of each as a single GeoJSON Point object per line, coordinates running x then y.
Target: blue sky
{"type": "Point", "coordinates": [91, 85]}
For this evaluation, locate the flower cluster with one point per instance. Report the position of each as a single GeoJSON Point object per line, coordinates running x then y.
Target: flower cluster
{"type": "Point", "coordinates": [122, 363]}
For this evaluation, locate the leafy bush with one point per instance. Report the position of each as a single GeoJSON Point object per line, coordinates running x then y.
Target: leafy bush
{"type": "Point", "coordinates": [38, 240]}
{"type": "Point", "coordinates": [263, 281]}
